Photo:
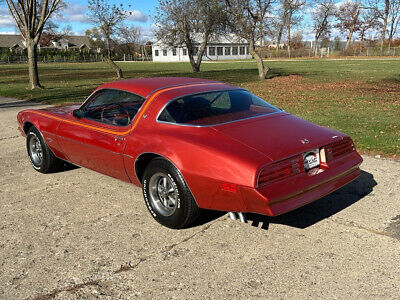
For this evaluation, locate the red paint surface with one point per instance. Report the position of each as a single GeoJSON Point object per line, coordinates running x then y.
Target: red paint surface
{"type": "Point", "coordinates": [212, 159]}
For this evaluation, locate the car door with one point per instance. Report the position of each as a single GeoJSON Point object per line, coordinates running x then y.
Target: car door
{"type": "Point", "coordinates": [97, 140]}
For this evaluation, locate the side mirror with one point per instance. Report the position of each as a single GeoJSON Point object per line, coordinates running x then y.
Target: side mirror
{"type": "Point", "coordinates": [77, 113]}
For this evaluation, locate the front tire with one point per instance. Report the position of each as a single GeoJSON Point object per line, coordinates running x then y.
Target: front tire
{"type": "Point", "coordinates": [40, 155]}
{"type": "Point", "coordinates": [167, 195]}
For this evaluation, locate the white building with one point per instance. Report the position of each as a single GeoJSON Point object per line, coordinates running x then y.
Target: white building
{"type": "Point", "coordinates": [224, 47]}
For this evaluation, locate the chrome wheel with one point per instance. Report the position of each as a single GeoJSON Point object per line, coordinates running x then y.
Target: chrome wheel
{"type": "Point", "coordinates": [36, 151]}
{"type": "Point", "coordinates": [163, 194]}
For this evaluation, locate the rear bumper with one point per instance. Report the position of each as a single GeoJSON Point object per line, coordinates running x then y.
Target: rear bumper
{"type": "Point", "coordinates": [287, 195]}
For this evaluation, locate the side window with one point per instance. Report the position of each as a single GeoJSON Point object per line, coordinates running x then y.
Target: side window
{"type": "Point", "coordinates": [113, 107]}
{"type": "Point", "coordinates": [221, 102]}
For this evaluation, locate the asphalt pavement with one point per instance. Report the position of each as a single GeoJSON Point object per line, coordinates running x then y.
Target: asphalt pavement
{"type": "Point", "coordinates": [79, 234]}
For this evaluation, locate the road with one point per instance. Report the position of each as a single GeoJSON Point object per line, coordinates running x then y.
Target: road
{"type": "Point", "coordinates": [78, 234]}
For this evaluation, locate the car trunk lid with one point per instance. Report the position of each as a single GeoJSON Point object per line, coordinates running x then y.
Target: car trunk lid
{"type": "Point", "coordinates": [280, 135]}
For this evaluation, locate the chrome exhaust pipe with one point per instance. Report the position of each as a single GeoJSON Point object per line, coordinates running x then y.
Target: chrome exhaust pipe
{"type": "Point", "coordinates": [232, 215]}
{"type": "Point", "coordinates": [242, 217]}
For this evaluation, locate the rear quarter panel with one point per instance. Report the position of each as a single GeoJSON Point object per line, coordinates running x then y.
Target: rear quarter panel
{"type": "Point", "coordinates": [205, 157]}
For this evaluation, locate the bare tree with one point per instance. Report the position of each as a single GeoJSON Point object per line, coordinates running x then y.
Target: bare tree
{"type": "Point", "coordinates": [189, 23]}
{"type": "Point", "coordinates": [394, 18]}
{"type": "Point", "coordinates": [280, 21]}
{"type": "Point", "coordinates": [107, 18]}
{"type": "Point", "coordinates": [368, 22]}
{"type": "Point", "coordinates": [129, 35]}
{"type": "Point", "coordinates": [31, 16]}
{"type": "Point", "coordinates": [348, 16]}
{"type": "Point", "coordinates": [321, 20]}
{"type": "Point", "coordinates": [292, 8]}
{"type": "Point", "coordinates": [129, 39]}
{"type": "Point", "coordinates": [381, 10]}
{"type": "Point", "coordinates": [297, 40]}
{"type": "Point", "coordinates": [95, 38]}
{"type": "Point", "coordinates": [244, 17]}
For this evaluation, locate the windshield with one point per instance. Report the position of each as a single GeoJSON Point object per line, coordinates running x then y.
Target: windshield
{"type": "Point", "coordinates": [214, 108]}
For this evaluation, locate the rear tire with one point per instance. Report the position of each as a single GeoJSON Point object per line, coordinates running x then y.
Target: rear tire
{"type": "Point", "coordinates": [40, 155]}
{"type": "Point", "coordinates": [167, 195]}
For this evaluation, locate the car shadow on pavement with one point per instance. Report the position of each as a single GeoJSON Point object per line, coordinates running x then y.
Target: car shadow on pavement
{"type": "Point", "coordinates": [66, 166]}
{"type": "Point", "coordinates": [323, 208]}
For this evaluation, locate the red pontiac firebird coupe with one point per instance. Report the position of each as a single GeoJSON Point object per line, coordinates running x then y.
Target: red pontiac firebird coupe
{"type": "Point", "coordinates": [192, 144]}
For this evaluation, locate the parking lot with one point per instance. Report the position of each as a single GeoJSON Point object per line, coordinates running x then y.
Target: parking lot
{"type": "Point", "coordinates": [78, 234]}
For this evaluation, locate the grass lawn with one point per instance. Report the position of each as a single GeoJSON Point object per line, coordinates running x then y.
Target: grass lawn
{"type": "Point", "coordinates": [358, 97]}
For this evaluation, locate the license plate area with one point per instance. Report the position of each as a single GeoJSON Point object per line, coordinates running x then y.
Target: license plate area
{"type": "Point", "coordinates": [311, 159]}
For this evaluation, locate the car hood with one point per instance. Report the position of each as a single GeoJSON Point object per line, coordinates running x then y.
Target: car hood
{"type": "Point", "coordinates": [279, 135]}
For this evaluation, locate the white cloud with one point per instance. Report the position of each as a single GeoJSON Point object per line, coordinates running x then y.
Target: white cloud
{"type": "Point", "coordinates": [9, 32]}
{"type": "Point", "coordinates": [73, 13]}
{"type": "Point", "coordinates": [137, 16]}
{"type": "Point", "coordinates": [5, 18]}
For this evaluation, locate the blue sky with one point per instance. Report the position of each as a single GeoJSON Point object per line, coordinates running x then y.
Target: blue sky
{"type": "Point", "coordinates": [74, 15]}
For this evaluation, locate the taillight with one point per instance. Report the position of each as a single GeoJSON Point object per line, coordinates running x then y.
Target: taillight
{"type": "Point", "coordinates": [229, 187]}
{"type": "Point", "coordinates": [281, 170]}
{"type": "Point", "coordinates": [338, 149]}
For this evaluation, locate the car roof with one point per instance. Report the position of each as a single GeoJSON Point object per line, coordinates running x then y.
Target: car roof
{"type": "Point", "coordinates": [145, 86]}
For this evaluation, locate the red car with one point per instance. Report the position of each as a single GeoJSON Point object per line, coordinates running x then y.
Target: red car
{"type": "Point", "coordinates": [192, 144]}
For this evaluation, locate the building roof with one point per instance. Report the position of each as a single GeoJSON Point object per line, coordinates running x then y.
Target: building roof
{"type": "Point", "coordinates": [75, 41]}
{"type": "Point", "coordinates": [228, 38]}
{"type": "Point", "coordinates": [11, 40]}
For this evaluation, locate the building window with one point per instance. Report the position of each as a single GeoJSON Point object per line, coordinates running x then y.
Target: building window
{"type": "Point", "coordinates": [211, 51]}
{"type": "Point", "coordinates": [242, 50]}
{"type": "Point", "coordinates": [227, 50]}
{"type": "Point", "coordinates": [234, 50]}
{"type": "Point", "coordinates": [184, 51]}
{"type": "Point", "coordinates": [220, 51]}
{"type": "Point", "coordinates": [156, 52]}
{"type": "Point", "coordinates": [174, 51]}
{"type": "Point", "coordinates": [164, 52]}
{"type": "Point", "coordinates": [195, 50]}
{"type": "Point", "coordinates": [247, 50]}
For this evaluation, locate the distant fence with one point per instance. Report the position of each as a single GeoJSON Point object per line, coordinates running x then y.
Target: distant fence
{"type": "Point", "coordinates": [60, 58]}
{"type": "Point", "coordinates": [15, 58]}
{"type": "Point", "coordinates": [328, 52]}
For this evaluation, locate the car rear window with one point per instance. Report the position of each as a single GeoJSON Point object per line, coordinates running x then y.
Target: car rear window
{"type": "Point", "coordinates": [214, 108]}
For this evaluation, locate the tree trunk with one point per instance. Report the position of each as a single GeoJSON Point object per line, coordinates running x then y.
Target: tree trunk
{"type": "Point", "coordinates": [195, 66]}
{"type": "Point", "coordinates": [349, 36]}
{"type": "Point", "coordinates": [201, 50]}
{"type": "Point", "coordinates": [262, 71]}
{"type": "Point", "coordinates": [315, 46]}
{"type": "Point", "coordinates": [110, 62]}
{"type": "Point", "coordinates": [278, 41]}
{"type": "Point", "coordinates": [190, 48]}
{"type": "Point", "coordinates": [288, 32]}
{"type": "Point", "coordinates": [115, 67]}
{"type": "Point", "coordinates": [32, 65]}
{"type": "Point", "coordinates": [385, 22]}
